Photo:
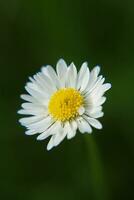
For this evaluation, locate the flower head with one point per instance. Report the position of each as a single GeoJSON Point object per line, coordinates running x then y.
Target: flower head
{"type": "Point", "coordinates": [61, 102]}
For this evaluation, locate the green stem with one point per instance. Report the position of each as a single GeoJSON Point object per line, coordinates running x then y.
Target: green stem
{"type": "Point", "coordinates": [96, 170]}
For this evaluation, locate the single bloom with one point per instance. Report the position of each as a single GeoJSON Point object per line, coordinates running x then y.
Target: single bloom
{"type": "Point", "coordinates": [58, 103]}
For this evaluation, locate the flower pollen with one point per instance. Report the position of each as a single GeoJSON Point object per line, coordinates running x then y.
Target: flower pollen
{"type": "Point", "coordinates": [65, 103]}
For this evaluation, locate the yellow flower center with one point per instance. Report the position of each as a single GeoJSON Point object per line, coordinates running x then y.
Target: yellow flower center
{"type": "Point", "coordinates": [65, 103]}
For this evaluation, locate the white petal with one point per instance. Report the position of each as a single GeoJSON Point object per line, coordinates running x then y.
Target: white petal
{"type": "Point", "coordinates": [97, 115]}
{"type": "Point", "coordinates": [61, 69]}
{"type": "Point", "coordinates": [70, 130]}
{"type": "Point", "coordinates": [99, 91]}
{"type": "Point", "coordinates": [94, 122]}
{"type": "Point", "coordinates": [83, 77]}
{"type": "Point", "coordinates": [32, 106]}
{"type": "Point", "coordinates": [100, 101]}
{"type": "Point", "coordinates": [95, 100]}
{"type": "Point", "coordinates": [50, 144]}
{"type": "Point", "coordinates": [72, 127]}
{"type": "Point", "coordinates": [44, 135]}
{"type": "Point", "coordinates": [106, 87]}
{"type": "Point", "coordinates": [56, 139]}
{"type": "Point", "coordinates": [50, 131]}
{"type": "Point", "coordinates": [42, 125]}
{"type": "Point", "coordinates": [28, 98]}
{"type": "Point", "coordinates": [95, 86]}
{"type": "Point", "coordinates": [38, 85]}
{"type": "Point", "coordinates": [31, 132]}
{"type": "Point", "coordinates": [36, 94]}
{"type": "Point", "coordinates": [31, 112]}
{"type": "Point", "coordinates": [50, 72]}
{"type": "Point", "coordinates": [83, 125]}
{"type": "Point", "coordinates": [35, 83]}
{"type": "Point", "coordinates": [93, 77]}
{"type": "Point", "coordinates": [46, 83]}
{"type": "Point", "coordinates": [93, 109]}
{"type": "Point", "coordinates": [96, 70]}
{"type": "Point", "coordinates": [28, 120]}
{"type": "Point", "coordinates": [59, 137]}
{"type": "Point", "coordinates": [72, 76]}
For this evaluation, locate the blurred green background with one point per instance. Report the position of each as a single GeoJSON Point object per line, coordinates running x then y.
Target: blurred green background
{"type": "Point", "coordinates": [34, 33]}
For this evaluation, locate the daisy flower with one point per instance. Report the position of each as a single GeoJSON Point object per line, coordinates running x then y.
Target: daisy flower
{"type": "Point", "coordinates": [58, 103]}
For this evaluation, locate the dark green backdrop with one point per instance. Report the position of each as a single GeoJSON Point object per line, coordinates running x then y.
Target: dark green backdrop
{"type": "Point", "coordinates": [34, 33]}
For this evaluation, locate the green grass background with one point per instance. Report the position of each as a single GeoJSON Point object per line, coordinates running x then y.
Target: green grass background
{"type": "Point", "coordinates": [34, 33]}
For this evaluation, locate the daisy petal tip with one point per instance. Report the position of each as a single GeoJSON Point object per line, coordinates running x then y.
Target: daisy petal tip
{"type": "Point", "coordinates": [72, 64]}
{"type": "Point", "coordinates": [98, 68]}
{"type": "Point", "coordinates": [84, 65]}
{"type": "Point", "coordinates": [19, 111]}
{"type": "Point", "coordinates": [102, 115]}
{"type": "Point", "coordinates": [30, 132]}
{"type": "Point", "coordinates": [31, 79]}
{"type": "Point", "coordinates": [38, 138]}
{"type": "Point", "coordinates": [50, 144]}
{"type": "Point", "coordinates": [90, 131]}
{"type": "Point", "coordinates": [21, 96]}
{"type": "Point", "coordinates": [49, 147]}
{"type": "Point", "coordinates": [108, 86]}
{"type": "Point", "coordinates": [100, 126]}
{"type": "Point", "coordinates": [20, 121]}
{"type": "Point", "coordinates": [86, 132]}
{"type": "Point", "coordinates": [43, 68]}
{"type": "Point", "coordinates": [61, 61]}
{"type": "Point", "coordinates": [69, 137]}
{"type": "Point", "coordinates": [27, 132]}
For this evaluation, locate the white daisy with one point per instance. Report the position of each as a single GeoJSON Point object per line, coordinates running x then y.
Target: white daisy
{"type": "Point", "coordinates": [61, 102]}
